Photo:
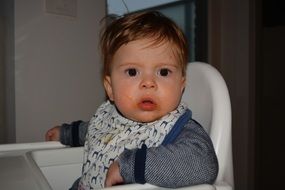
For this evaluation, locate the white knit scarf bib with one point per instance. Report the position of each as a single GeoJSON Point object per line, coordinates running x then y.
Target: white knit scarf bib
{"type": "Point", "coordinates": [109, 134]}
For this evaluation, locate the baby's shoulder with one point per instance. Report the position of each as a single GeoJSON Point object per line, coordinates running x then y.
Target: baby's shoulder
{"type": "Point", "coordinates": [193, 126]}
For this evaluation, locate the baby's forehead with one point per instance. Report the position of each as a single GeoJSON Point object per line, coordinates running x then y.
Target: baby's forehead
{"type": "Point", "coordinates": [151, 43]}
{"type": "Point", "coordinates": [152, 47]}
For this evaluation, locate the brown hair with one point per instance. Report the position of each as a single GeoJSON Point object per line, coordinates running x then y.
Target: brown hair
{"type": "Point", "coordinates": [135, 26]}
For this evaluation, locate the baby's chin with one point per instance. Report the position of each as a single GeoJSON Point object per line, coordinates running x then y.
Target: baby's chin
{"type": "Point", "coordinates": [147, 118]}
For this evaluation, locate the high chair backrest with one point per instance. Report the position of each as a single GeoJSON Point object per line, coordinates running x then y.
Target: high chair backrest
{"type": "Point", "coordinates": [207, 95]}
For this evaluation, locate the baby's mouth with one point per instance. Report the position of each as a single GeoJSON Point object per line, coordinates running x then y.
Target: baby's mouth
{"type": "Point", "coordinates": [147, 105]}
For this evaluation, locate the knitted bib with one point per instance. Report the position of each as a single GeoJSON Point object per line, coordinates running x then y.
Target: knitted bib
{"type": "Point", "coordinates": [109, 134]}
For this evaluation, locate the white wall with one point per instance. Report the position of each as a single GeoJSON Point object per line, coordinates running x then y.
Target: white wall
{"type": "Point", "coordinates": [57, 66]}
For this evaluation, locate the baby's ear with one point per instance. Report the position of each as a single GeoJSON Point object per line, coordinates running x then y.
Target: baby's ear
{"type": "Point", "coordinates": [108, 87]}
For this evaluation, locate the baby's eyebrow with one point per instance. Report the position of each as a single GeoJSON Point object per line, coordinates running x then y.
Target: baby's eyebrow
{"type": "Point", "coordinates": [128, 64]}
{"type": "Point", "coordinates": [169, 65]}
{"type": "Point", "coordinates": [156, 65]}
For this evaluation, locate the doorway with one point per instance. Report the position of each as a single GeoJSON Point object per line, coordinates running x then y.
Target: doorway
{"type": "Point", "coordinates": [270, 95]}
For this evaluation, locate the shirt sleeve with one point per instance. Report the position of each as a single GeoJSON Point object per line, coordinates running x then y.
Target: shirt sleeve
{"type": "Point", "coordinates": [73, 134]}
{"type": "Point", "coordinates": [189, 160]}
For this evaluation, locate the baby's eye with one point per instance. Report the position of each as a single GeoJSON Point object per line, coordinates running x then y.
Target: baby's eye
{"type": "Point", "coordinates": [164, 72]}
{"type": "Point", "coordinates": [131, 72]}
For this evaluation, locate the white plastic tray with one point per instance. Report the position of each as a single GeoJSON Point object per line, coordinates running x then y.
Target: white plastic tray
{"type": "Point", "coordinates": [50, 166]}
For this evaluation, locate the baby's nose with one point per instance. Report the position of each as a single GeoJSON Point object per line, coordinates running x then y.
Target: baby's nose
{"type": "Point", "coordinates": [148, 82]}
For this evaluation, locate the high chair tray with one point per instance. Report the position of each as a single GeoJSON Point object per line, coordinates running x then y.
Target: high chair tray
{"type": "Point", "coordinates": [50, 166]}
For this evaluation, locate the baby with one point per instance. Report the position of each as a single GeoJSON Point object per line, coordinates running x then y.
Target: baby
{"type": "Point", "coordinates": [143, 133]}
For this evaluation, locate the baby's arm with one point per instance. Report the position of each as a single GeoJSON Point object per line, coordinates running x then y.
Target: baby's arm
{"type": "Point", "coordinates": [73, 134]}
{"type": "Point", "coordinates": [69, 134]}
{"type": "Point", "coordinates": [189, 160]}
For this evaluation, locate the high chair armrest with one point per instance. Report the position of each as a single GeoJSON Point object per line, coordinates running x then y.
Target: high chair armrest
{"type": "Point", "coordinates": [152, 187]}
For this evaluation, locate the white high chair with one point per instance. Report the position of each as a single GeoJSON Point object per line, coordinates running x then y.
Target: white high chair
{"type": "Point", "coordinates": [52, 166]}
{"type": "Point", "coordinates": [207, 95]}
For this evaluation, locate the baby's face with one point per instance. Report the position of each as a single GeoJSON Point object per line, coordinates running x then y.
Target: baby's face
{"type": "Point", "coordinates": [146, 81]}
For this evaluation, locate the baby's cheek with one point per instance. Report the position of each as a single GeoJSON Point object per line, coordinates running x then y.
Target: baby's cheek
{"type": "Point", "coordinates": [125, 102]}
{"type": "Point", "coordinates": [131, 103]}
